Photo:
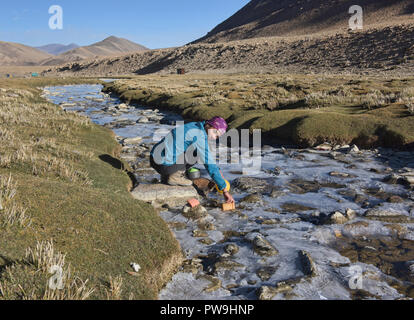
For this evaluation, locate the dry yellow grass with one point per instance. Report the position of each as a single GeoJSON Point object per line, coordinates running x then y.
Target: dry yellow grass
{"type": "Point", "coordinates": [45, 265]}
{"type": "Point", "coordinates": [75, 198]}
{"type": "Point", "coordinates": [115, 288]}
{"type": "Point", "coordinates": [11, 212]}
{"type": "Point", "coordinates": [42, 154]}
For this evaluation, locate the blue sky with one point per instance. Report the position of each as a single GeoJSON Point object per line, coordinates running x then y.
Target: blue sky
{"type": "Point", "coordinates": [152, 23]}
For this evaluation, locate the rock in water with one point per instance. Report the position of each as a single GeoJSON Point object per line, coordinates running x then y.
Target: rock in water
{"type": "Point", "coordinates": [265, 273]}
{"type": "Point", "coordinates": [143, 120]}
{"type": "Point", "coordinates": [261, 246]}
{"type": "Point", "coordinates": [231, 249]}
{"type": "Point", "coordinates": [215, 283]}
{"type": "Point", "coordinates": [135, 140]}
{"type": "Point", "coordinates": [195, 213]}
{"type": "Point", "coordinates": [387, 215]}
{"type": "Point", "coordinates": [308, 267]}
{"type": "Point", "coordinates": [122, 106]}
{"type": "Point", "coordinates": [381, 213]}
{"type": "Point", "coordinates": [268, 293]}
{"type": "Point", "coordinates": [354, 149]}
{"type": "Point", "coordinates": [337, 218]}
{"type": "Point", "coordinates": [251, 185]}
{"type": "Point", "coordinates": [252, 198]}
{"type": "Point", "coordinates": [224, 264]}
{"type": "Point", "coordinates": [324, 147]}
{"type": "Point", "coordinates": [350, 214]}
{"type": "Point", "coordinates": [160, 194]}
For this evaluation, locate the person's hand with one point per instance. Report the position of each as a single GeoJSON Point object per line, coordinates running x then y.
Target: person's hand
{"type": "Point", "coordinates": [228, 197]}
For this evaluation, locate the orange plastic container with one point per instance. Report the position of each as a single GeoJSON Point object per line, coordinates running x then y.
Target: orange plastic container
{"type": "Point", "coordinates": [228, 206]}
{"type": "Point", "coordinates": [193, 202]}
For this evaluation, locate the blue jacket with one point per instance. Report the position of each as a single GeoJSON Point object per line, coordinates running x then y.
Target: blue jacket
{"type": "Point", "coordinates": [179, 140]}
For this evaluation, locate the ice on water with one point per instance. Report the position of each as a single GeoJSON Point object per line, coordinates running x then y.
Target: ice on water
{"type": "Point", "coordinates": [288, 236]}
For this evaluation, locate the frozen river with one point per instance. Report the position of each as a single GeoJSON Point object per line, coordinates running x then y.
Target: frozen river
{"type": "Point", "coordinates": [310, 225]}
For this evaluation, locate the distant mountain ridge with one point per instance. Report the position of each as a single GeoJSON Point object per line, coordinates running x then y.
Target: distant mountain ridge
{"type": "Point", "coordinates": [108, 47]}
{"type": "Point", "coordinates": [15, 54]}
{"type": "Point", "coordinates": [266, 18]}
{"type": "Point", "coordinates": [57, 49]}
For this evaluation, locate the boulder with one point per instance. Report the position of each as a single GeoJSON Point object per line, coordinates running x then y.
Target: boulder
{"type": "Point", "coordinates": [231, 249]}
{"type": "Point", "coordinates": [194, 213]}
{"type": "Point", "coordinates": [324, 147]}
{"type": "Point", "coordinates": [122, 106]}
{"type": "Point", "coordinates": [252, 198]}
{"type": "Point", "coordinates": [308, 266]}
{"type": "Point", "coordinates": [338, 218]}
{"type": "Point", "coordinates": [160, 194]}
{"type": "Point", "coordinates": [251, 185]}
{"type": "Point", "coordinates": [134, 140]}
{"type": "Point", "coordinates": [341, 174]}
{"type": "Point", "coordinates": [224, 264]}
{"type": "Point", "coordinates": [350, 214]}
{"type": "Point", "coordinates": [265, 273]}
{"type": "Point", "coordinates": [378, 212]}
{"type": "Point", "coordinates": [143, 120]}
{"type": "Point", "coordinates": [261, 246]}
{"type": "Point", "coordinates": [215, 283]}
{"type": "Point", "coordinates": [387, 215]}
{"type": "Point", "coordinates": [354, 149]}
{"type": "Point", "coordinates": [268, 293]}
{"type": "Point", "coordinates": [408, 179]}
{"type": "Point", "coordinates": [395, 199]}
{"type": "Point", "coordinates": [199, 234]}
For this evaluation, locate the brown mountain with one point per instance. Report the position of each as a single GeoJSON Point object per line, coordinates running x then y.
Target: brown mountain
{"type": "Point", "coordinates": [264, 18]}
{"type": "Point", "coordinates": [15, 54]}
{"type": "Point", "coordinates": [109, 47]}
{"type": "Point", "coordinates": [388, 49]}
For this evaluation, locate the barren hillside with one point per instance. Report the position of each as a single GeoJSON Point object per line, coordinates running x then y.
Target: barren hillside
{"type": "Point", "coordinates": [264, 18]}
{"type": "Point", "coordinates": [20, 55]}
{"type": "Point", "coordinates": [389, 49]}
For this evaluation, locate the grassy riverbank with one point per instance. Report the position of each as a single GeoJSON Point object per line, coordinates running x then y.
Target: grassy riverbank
{"type": "Point", "coordinates": [301, 109]}
{"type": "Point", "coordinates": [59, 198]}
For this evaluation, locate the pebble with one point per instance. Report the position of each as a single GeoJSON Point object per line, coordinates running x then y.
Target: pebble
{"type": "Point", "coordinates": [338, 218]}
{"type": "Point", "coordinates": [231, 249]}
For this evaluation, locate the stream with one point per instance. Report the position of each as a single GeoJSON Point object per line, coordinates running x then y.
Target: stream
{"type": "Point", "coordinates": [313, 224]}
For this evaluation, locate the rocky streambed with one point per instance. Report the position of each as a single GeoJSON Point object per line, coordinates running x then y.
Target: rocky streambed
{"type": "Point", "coordinates": [323, 223]}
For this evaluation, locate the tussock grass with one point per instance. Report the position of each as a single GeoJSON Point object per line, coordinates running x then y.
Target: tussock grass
{"type": "Point", "coordinates": [75, 198]}
{"type": "Point", "coordinates": [42, 263]}
{"type": "Point", "coordinates": [11, 212]}
{"type": "Point", "coordinates": [115, 288]}
{"type": "Point", "coordinates": [279, 104]}
{"type": "Point", "coordinates": [44, 257]}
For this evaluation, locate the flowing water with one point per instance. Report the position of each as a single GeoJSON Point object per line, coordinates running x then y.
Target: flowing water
{"type": "Point", "coordinates": [281, 242]}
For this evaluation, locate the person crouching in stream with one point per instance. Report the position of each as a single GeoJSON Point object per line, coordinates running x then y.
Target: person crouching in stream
{"type": "Point", "coordinates": [168, 157]}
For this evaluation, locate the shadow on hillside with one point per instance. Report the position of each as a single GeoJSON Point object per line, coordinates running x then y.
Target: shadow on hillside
{"type": "Point", "coordinates": [285, 135]}
{"type": "Point", "coordinates": [157, 65]}
{"type": "Point", "coordinates": [119, 165]}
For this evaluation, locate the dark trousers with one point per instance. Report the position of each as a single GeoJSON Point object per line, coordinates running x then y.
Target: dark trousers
{"type": "Point", "coordinates": [164, 170]}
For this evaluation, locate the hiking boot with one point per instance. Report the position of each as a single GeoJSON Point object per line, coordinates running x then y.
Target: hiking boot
{"type": "Point", "coordinates": [164, 179]}
{"type": "Point", "coordinates": [179, 179]}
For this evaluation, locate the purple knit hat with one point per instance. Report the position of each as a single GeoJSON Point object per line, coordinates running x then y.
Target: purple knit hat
{"type": "Point", "coordinates": [218, 123]}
